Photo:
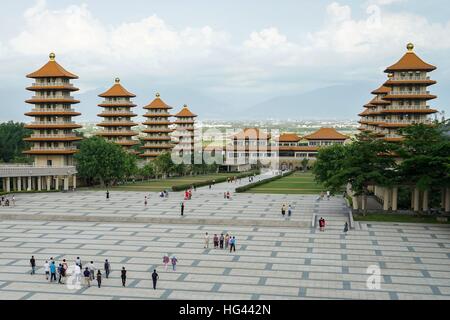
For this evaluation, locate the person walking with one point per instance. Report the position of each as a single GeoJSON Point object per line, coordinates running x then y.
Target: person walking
{"type": "Point", "coordinates": [182, 208]}
{"type": "Point", "coordinates": [206, 240]}
{"type": "Point", "coordinates": [166, 261]}
{"type": "Point", "coordinates": [227, 240]}
{"type": "Point", "coordinates": [46, 269]}
{"type": "Point", "coordinates": [233, 244]}
{"type": "Point", "coordinates": [99, 278]}
{"type": "Point", "coordinates": [61, 272]}
{"type": "Point", "coordinates": [92, 270]}
{"type": "Point", "coordinates": [107, 194]}
{"type": "Point", "coordinates": [13, 200]}
{"type": "Point", "coordinates": [289, 210]}
{"type": "Point", "coordinates": [52, 271]}
{"type": "Point", "coordinates": [322, 224]}
{"type": "Point", "coordinates": [87, 277]}
{"type": "Point", "coordinates": [328, 195]}
{"type": "Point", "coordinates": [123, 276]}
{"type": "Point", "coordinates": [345, 228]}
{"type": "Point", "coordinates": [221, 240]}
{"type": "Point", "coordinates": [155, 278]}
{"type": "Point", "coordinates": [107, 268]}
{"type": "Point", "coordinates": [174, 263]}
{"type": "Point", "coordinates": [216, 241]}
{"type": "Point", "coordinates": [78, 262]}
{"type": "Point", "coordinates": [283, 210]}
{"type": "Point", "coordinates": [33, 265]}
{"type": "Point", "coordinates": [145, 201]}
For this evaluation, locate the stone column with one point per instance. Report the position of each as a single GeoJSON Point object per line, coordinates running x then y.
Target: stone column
{"type": "Point", "coordinates": [447, 200]}
{"type": "Point", "coordinates": [19, 184]}
{"type": "Point", "coordinates": [66, 183]}
{"type": "Point", "coordinates": [355, 203]}
{"type": "Point", "coordinates": [49, 183]}
{"type": "Point", "coordinates": [386, 199]}
{"type": "Point", "coordinates": [39, 183]}
{"type": "Point", "coordinates": [425, 201]}
{"type": "Point", "coordinates": [74, 182]}
{"type": "Point", "coordinates": [394, 199]}
{"type": "Point", "coordinates": [14, 182]}
{"type": "Point", "coordinates": [29, 184]}
{"type": "Point", "coordinates": [416, 200]}
{"type": "Point", "coordinates": [56, 183]}
{"type": "Point", "coordinates": [8, 184]}
{"type": "Point", "coordinates": [363, 202]}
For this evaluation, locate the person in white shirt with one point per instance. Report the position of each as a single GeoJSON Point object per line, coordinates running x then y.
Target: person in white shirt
{"type": "Point", "coordinates": [92, 269]}
{"type": "Point", "coordinates": [206, 240]}
{"type": "Point", "coordinates": [47, 269]}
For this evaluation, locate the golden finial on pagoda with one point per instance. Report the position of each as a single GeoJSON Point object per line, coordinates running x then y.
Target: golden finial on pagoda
{"type": "Point", "coordinates": [52, 56]}
{"type": "Point", "coordinates": [410, 47]}
{"type": "Point", "coordinates": [117, 80]}
{"type": "Point", "coordinates": [185, 106]}
{"type": "Point", "coordinates": [158, 95]}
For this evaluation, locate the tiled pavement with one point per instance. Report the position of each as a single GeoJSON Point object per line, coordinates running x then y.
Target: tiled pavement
{"type": "Point", "coordinates": [270, 262]}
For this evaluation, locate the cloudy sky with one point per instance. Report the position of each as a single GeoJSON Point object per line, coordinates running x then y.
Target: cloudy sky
{"type": "Point", "coordinates": [221, 57]}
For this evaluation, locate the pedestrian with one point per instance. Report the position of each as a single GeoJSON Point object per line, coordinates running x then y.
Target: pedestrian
{"type": "Point", "coordinates": [182, 208]}
{"type": "Point", "coordinates": [224, 195]}
{"type": "Point", "coordinates": [92, 270]}
{"type": "Point", "coordinates": [345, 228]}
{"type": "Point", "coordinates": [13, 200]}
{"type": "Point", "coordinates": [52, 271]}
{"type": "Point", "coordinates": [166, 261]}
{"type": "Point", "coordinates": [61, 272]}
{"type": "Point", "coordinates": [78, 262]}
{"type": "Point", "coordinates": [206, 240]}
{"type": "Point", "coordinates": [289, 210]}
{"type": "Point", "coordinates": [99, 278]}
{"type": "Point", "coordinates": [283, 210]}
{"type": "Point", "coordinates": [321, 224]}
{"type": "Point", "coordinates": [174, 263]}
{"type": "Point", "coordinates": [328, 195]}
{"type": "Point", "coordinates": [145, 200]}
{"type": "Point", "coordinates": [221, 241]}
{"type": "Point", "coordinates": [216, 241]}
{"type": "Point", "coordinates": [87, 277]}
{"type": "Point", "coordinates": [321, 195]}
{"type": "Point", "coordinates": [107, 268]}
{"type": "Point", "coordinates": [107, 194]}
{"type": "Point", "coordinates": [227, 240]}
{"type": "Point", "coordinates": [33, 265]}
{"type": "Point", "coordinates": [233, 244]}
{"type": "Point", "coordinates": [155, 278]}
{"type": "Point", "coordinates": [46, 269]}
{"type": "Point", "coordinates": [123, 275]}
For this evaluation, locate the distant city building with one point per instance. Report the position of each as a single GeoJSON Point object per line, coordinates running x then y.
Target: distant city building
{"type": "Point", "coordinates": [157, 139]}
{"type": "Point", "coordinates": [402, 100]}
{"type": "Point", "coordinates": [117, 116]}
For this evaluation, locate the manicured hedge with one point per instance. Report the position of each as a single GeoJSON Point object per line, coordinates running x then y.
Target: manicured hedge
{"type": "Point", "coordinates": [259, 183]}
{"type": "Point", "coordinates": [182, 187]}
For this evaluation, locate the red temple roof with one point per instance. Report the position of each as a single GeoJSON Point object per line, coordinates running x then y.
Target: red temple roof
{"type": "Point", "coordinates": [185, 113]}
{"type": "Point", "coordinates": [289, 137]}
{"type": "Point", "coordinates": [326, 134]}
{"type": "Point", "coordinates": [52, 69]}
{"type": "Point", "coordinates": [382, 90]}
{"type": "Point", "coordinates": [157, 103]}
{"type": "Point", "coordinates": [117, 90]}
{"type": "Point", "coordinates": [409, 62]}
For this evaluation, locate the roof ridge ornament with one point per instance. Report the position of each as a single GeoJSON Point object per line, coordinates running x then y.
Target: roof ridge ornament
{"type": "Point", "coordinates": [157, 95]}
{"type": "Point", "coordinates": [52, 56]}
{"type": "Point", "coordinates": [410, 47]}
{"type": "Point", "coordinates": [117, 80]}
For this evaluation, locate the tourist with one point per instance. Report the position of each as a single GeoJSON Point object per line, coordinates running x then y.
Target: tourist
{"type": "Point", "coordinates": [107, 268]}
{"type": "Point", "coordinates": [52, 271]}
{"type": "Point", "coordinates": [107, 194]}
{"type": "Point", "coordinates": [87, 277]}
{"type": "Point", "coordinates": [46, 269]}
{"type": "Point", "coordinates": [224, 195]}
{"type": "Point", "coordinates": [65, 265]}
{"type": "Point", "coordinates": [221, 241]}
{"type": "Point", "coordinates": [328, 195]}
{"type": "Point", "coordinates": [289, 210]}
{"type": "Point", "coordinates": [61, 272]}
{"type": "Point", "coordinates": [233, 244]}
{"type": "Point", "coordinates": [33, 265]}
{"type": "Point", "coordinates": [321, 224]}
{"type": "Point", "coordinates": [283, 210]}
{"type": "Point", "coordinates": [228, 195]}
{"type": "Point", "coordinates": [174, 263]}
{"type": "Point", "coordinates": [182, 208]}
{"type": "Point", "coordinates": [166, 261]}
{"type": "Point", "coordinates": [13, 200]}
{"type": "Point", "coordinates": [145, 200]}
{"type": "Point", "coordinates": [227, 240]}
{"type": "Point", "coordinates": [345, 228]}
{"type": "Point", "coordinates": [216, 241]}
{"type": "Point", "coordinates": [322, 195]}
{"type": "Point", "coordinates": [155, 278]}
{"type": "Point", "coordinates": [206, 240]}
{"type": "Point", "coordinates": [91, 269]}
{"type": "Point", "coordinates": [99, 278]}
{"type": "Point", "coordinates": [78, 262]}
{"type": "Point", "coordinates": [123, 276]}
{"type": "Point", "coordinates": [77, 271]}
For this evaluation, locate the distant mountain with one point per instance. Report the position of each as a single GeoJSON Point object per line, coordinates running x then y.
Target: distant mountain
{"type": "Point", "coordinates": [335, 102]}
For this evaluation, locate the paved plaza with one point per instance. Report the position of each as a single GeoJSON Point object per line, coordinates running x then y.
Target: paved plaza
{"type": "Point", "coordinates": [274, 261]}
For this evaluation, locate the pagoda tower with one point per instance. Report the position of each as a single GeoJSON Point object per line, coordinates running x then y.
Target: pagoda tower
{"type": "Point", "coordinates": [53, 136]}
{"type": "Point", "coordinates": [185, 131]}
{"type": "Point", "coordinates": [157, 140]}
{"type": "Point", "coordinates": [117, 116]}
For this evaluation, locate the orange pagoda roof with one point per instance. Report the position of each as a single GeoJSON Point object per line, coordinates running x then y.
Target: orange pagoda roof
{"type": "Point", "coordinates": [185, 113]}
{"type": "Point", "coordinates": [157, 104]}
{"type": "Point", "coordinates": [410, 61]}
{"type": "Point", "coordinates": [326, 134]}
{"type": "Point", "coordinates": [52, 69]}
{"type": "Point", "coordinates": [364, 113]}
{"type": "Point", "coordinates": [382, 90]}
{"type": "Point", "coordinates": [289, 137]}
{"type": "Point", "coordinates": [251, 133]}
{"type": "Point", "coordinates": [117, 90]}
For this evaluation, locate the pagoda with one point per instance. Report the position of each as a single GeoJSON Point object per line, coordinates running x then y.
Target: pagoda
{"type": "Point", "coordinates": [184, 132]}
{"type": "Point", "coordinates": [157, 139]}
{"type": "Point", "coordinates": [53, 136]}
{"type": "Point", "coordinates": [117, 116]}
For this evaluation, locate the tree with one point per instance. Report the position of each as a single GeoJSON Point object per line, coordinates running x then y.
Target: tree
{"type": "Point", "coordinates": [147, 171]}
{"type": "Point", "coordinates": [11, 142]}
{"type": "Point", "coordinates": [163, 165]}
{"type": "Point", "coordinates": [99, 161]}
{"type": "Point", "coordinates": [304, 163]}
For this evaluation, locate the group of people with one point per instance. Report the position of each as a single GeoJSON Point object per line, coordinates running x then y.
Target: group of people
{"type": "Point", "coordinates": [233, 179]}
{"type": "Point", "coordinates": [322, 195]}
{"type": "Point", "coordinates": [222, 242]}
{"type": "Point", "coordinates": [164, 194]}
{"type": "Point", "coordinates": [5, 202]}
{"type": "Point", "coordinates": [227, 195]}
{"type": "Point", "coordinates": [285, 208]}
{"type": "Point", "coordinates": [188, 194]}
{"type": "Point", "coordinates": [322, 224]}
{"type": "Point", "coordinates": [173, 260]}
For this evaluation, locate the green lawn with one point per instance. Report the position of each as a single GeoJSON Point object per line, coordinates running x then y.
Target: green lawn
{"type": "Point", "coordinates": [163, 184]}
{"type": "Point", "coordinates": [297, 183]}
{"type": "Point", "coordinates": [383, 217]}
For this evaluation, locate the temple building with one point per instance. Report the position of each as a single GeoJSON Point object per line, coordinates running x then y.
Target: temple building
{"type": "Point", "coordinates": [53, 138]}
{"type": "Point", "coordinates": [184, 133]}
{"type": "Point", "coordinates": [401, 100]}
{"type": "Point", "coordinates": [157, 139]}
{"type": "Point", "coordinates": [117, 116]}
